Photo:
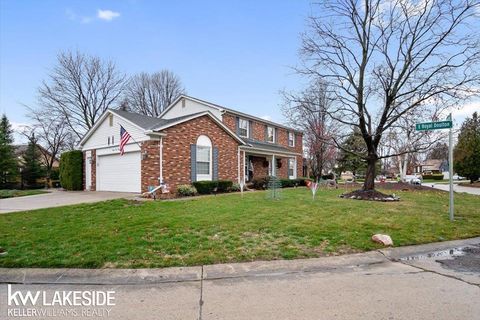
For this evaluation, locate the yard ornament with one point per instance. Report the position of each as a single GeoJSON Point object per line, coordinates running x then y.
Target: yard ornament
{"type": "Point", "coordinates": [313, 186]}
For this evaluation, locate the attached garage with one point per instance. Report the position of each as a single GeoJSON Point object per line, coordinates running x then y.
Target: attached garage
{"type": "Point", "coordinates": [117, 172]}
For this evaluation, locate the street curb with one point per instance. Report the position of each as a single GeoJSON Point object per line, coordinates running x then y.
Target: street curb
{"type": "Point", "coordinates": [403, 252]}
{"type": "Point", "coordinates": [220, 271]}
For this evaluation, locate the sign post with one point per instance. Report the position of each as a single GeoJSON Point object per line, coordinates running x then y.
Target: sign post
{"type": "Point", "coordinates": [447, 124]}
{"type": "Point", "coordinates": [450, 166]}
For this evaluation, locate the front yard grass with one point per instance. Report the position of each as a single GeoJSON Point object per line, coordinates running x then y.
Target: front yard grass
{"type": "Point", "coordinates": [9, 193]}
{"type": "Point", "coordinates": [227, 228]}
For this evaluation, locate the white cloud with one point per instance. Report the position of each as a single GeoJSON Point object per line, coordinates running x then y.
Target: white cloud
{"type": "Point", "coordinates": [107, 15]}
{"type": "Point", "coordinates": [71, 15]}
{"type": "Point", "coordinates": [467, 110]}
{"type": "Point", "coordinates": [268, 118]}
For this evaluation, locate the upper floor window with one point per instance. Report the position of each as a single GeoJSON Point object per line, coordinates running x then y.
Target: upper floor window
{"type": "Point", "coordinates": [291, 139]}
{"type": "Point", "coordinates": [110, 120]}
{"type": "Point", "coordinates": [271, 134]}
{"type": "Point", "coordinates": [243, 128]}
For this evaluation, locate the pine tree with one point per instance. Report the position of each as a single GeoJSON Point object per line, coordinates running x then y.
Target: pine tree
{"type": "Point", "coordinates": [8, 161]}
{"type": "Point", "coordinates": [466, 160]}
{"type": "Point", "coordinates": [32, 166]}
{"type": "Point", "coordinates": [349, 161]}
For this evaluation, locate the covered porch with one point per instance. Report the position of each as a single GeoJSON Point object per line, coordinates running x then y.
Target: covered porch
{"type": "Point", "coordinates": [262, 159]}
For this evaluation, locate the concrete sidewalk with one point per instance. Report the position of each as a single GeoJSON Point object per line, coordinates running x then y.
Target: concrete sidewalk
{"type": "Point", "coordinates": [383, 284]}
{"type": "Point", "coordinates": [57, 198]}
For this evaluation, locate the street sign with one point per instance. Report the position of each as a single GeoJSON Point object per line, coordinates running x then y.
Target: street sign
{"type": "Point", "coordinates": [433, 125]}
{"type": "Point", "coordinates": [447, 124]}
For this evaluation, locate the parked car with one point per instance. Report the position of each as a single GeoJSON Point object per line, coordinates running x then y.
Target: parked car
{"type": "Point", "coordinates": [457, 177]}
{"type": "Point", "coordinates": [413, 179]}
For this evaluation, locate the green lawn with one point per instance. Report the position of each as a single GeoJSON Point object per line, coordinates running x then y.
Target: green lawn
{"type": "Point", "coordinates": [227, 228]}
{"type": "Point", "coordinates": [8, 193]}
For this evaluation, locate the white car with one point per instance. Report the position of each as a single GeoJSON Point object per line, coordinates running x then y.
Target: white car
{"type": "Point", "coordinates": [413, 179]}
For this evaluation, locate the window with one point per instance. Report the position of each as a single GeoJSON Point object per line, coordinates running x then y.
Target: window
{"type": "Point", "coordinates": [113, 139]}
{"type": "Point", "coordinates": [108, 140]}
{"type": "Point", "coordinates": [110, 120]}
{"type": "Point", "coordinates": [291, 139]}
{"type": "Point", "coordinates": [204, 156]}
{"type": "Point", "coordinates": [291, 168]}
{"type": "Point", "coordinates": [271, 134]}
{"type": "Point", "coordinates": [243, 128]}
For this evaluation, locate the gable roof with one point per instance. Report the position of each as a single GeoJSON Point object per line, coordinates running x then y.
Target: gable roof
{"type": "Point", "coordinates": [145, 122]}
{"type": "Point", "coordinates": [225, 109]}
{"type": "Point", "coordinates": [171, 122]}
{"type": "Point", "coordinates": [153, 124]}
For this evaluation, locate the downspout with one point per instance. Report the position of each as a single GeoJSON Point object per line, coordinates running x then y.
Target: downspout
{"type": "Point", "coordinates": [161, 161]}
{"type": "Point", "coordinates": [238, 171]}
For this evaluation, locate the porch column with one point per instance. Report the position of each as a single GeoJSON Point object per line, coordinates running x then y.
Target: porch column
{"type": "Point", "coordinates": [274, 169]}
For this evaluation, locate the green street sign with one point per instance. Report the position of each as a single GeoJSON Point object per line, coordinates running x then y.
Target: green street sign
{"type": "Point", "coordinates": [433, 125]}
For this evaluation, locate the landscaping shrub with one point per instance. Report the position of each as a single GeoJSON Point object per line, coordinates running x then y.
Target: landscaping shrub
{"type": "Point", "coordinates": [224, 185]}
{"type": "Point", "coordinates": [433, 176]}
{"type": "Point", "coordinates": [235, 187]}
{"type": "Point", "coordinates": [186, 190]}
{"type": "Point", "coordinates": [71, 173]}
{"type": "Point", "coordinates": [207, 187]}
{"type": "Point", "coordinates": [262, 183]}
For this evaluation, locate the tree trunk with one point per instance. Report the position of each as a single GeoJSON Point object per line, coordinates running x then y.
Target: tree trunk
{"type": "Point", "coordinates": [369, 183]}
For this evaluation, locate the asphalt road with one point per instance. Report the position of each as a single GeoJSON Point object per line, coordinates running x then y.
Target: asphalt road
{"type": "Point", "coordinates": [403, 283]}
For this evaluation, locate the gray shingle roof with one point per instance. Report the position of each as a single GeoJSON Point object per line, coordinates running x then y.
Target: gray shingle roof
{"type": "Point", "coordinates": [148, 122]}
{"type": "Point", "coordinates": [267, 146]}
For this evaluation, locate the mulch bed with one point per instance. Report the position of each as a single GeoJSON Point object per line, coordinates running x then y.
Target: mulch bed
{"type": "Point", "coordinates": [374, 195]}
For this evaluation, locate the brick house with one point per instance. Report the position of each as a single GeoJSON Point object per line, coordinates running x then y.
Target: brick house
{"type": "Point", "coordinates": [192, 140]}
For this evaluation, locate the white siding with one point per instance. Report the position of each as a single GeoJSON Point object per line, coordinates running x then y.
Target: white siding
{"type": "Point", "coordinates": [99, 138]}
{"type": "Point", "coordinates": [190, 107]}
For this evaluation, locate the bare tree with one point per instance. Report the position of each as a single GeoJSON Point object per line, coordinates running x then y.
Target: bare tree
{"type": "Point", "coordinates": [384, 59]}
{"type": "Point", "coordinates": [150, 94]}
{"type": "Point", "coordinates": [51, 133]}
{"type": "Point", "coordinates": [79, 89]}
{"type": "Point", "coordinates": [308, 111]}
{"type": "Point", "coordinates": [402, 140]}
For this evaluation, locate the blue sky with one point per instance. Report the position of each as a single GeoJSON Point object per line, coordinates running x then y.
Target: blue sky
{"type": "Point", "coordinates": [235, 53]}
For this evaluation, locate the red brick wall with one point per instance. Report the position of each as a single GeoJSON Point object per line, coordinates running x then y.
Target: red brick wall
{"type": "Point", "coordinates": [150, 165]}
{"type": "Point", "coordinates": [259, 171]}
{"type": "Point", "coordinates": [176, 151]}
{"type": "Point", "coordinates": [230, 121]}
{"type": "Point", "coordinates": [258, 132]}
{"type": "Point", "coordinates": [93, 170]}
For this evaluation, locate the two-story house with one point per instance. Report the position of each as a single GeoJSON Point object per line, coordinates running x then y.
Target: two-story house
{"type": "Point", "coordinates": [192, 140]}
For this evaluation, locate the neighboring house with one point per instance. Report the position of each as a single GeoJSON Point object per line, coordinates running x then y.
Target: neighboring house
{"type": "Point", "coordinates": [22, 148]}
{"type": "Point", "coordinates": [432, 166]}
{"type": "Point", "coordinates": [192, 140]}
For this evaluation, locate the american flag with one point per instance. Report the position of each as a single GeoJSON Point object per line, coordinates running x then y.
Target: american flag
{"type": "Point", "coordinates": [124, 137]}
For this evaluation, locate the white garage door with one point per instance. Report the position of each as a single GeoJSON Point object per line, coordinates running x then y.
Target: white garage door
{"type": "Point", "coordinates": [119, 173]}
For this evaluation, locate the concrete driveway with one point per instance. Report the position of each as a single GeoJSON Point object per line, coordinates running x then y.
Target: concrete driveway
{"type": "Point", "coordinates": [456, 188]}
{"type": "Point", "coordinates": [398, 283]}
{"type": "Point", "coordinates": [57, 198]}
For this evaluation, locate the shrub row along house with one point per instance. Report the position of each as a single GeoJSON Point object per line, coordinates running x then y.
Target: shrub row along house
{"type": "Point", "coordinates": [192, 140]}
